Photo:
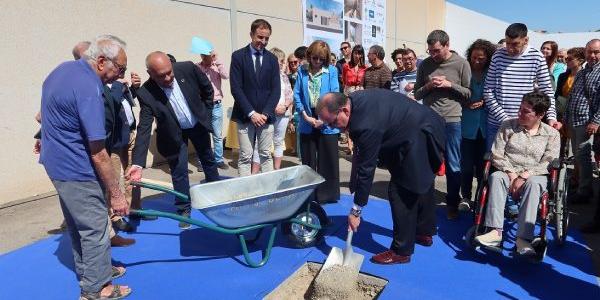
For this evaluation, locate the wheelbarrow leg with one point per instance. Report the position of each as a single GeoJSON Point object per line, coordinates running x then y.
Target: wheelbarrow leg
{"type": "Point", "coordinates": [253, 240]}
{"type": "Point", "coordinates": [267, 251]}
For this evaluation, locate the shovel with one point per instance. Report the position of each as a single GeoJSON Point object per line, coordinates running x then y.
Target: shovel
{"type": "Point", "coordinates": [346, 258]}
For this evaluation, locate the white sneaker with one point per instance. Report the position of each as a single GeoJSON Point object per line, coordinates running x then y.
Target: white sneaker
{"type": "Point", "coordinates": [524, 248]}
{"type": "Point", "coordinates": [464, 205]}
{"type": "Point", "coordinates": [490, 239]}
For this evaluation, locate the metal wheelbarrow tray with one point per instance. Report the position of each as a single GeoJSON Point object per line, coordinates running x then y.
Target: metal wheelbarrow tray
{"type": "Point", "coordinates": [243, 204]}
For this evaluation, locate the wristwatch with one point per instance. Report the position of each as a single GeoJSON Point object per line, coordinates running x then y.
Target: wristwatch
{"type": "Point", "coordinates": [356, 211]}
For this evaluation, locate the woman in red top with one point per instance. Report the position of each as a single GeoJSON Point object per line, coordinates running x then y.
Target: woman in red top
{"type": "Point", "coordinates": [353, 75]}
{"type": "Point", "coordinates": [353, 72]}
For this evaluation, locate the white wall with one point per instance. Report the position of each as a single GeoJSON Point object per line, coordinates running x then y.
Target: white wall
{"type": "Point", "coordinates": [465, 26]}
{"type": "Point", "coordinates": [38, 35]}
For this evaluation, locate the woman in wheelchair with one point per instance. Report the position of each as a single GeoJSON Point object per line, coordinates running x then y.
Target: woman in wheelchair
{"type": "Point", "coordinates": [521, 153]}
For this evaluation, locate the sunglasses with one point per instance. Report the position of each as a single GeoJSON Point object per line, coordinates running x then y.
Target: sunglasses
{"type": "Point", "coordinates": [344, 48]}
{"type": "Point", "coordinates": [317, 58]}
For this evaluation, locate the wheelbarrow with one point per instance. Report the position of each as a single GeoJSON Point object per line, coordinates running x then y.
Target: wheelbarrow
{"type": "Point", "coordinates": [253, 203]}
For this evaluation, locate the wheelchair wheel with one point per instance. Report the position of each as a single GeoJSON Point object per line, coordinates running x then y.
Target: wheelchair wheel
{"type": "Point", "coordinates": [561, 211]}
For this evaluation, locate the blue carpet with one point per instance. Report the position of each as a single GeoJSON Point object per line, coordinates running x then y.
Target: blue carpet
{"type": "Point", "coordinates": [201, 264]}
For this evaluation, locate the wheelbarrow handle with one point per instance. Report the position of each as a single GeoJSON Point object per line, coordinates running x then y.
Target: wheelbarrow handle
{"type": "Point", "coordinates": [161, 188]}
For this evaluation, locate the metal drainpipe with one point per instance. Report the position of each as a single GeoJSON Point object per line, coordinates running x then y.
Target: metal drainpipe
{"type": "Point", "coordinates": [395, 24]}
{"type": "Point", "coordinates": [233, 24]}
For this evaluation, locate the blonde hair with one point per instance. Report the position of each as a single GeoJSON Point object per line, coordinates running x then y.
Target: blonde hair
{"type": "Point", "coordinates": [278, 53]}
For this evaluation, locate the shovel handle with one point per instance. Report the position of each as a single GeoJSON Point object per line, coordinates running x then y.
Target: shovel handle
{"type": "Point", "coordinates": [348, 250]}
{"type": "Point", "coordinates": [349, 239]}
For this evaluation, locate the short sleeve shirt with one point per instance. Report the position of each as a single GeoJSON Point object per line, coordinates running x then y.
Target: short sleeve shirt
{"type": "Point", "coordinates": [72, 116]}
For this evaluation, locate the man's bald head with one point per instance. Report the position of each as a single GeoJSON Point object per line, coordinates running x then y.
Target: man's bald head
{"type": "Point", "coordinates": [334, 109]}
{"type": "Point", "coordinates": [160, 68]}
{"type": "Point", "coordinates": [592, 52]}
{"type": "Point", "coordinates": [80, 48]}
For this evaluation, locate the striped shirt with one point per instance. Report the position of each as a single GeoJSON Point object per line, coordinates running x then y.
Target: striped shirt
{"type": "Point", "coordinates": [509, 78]}
{"type": "Point", "coordinates": [584, 100]}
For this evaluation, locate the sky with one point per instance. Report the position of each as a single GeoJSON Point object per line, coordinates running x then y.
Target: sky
{"type": "Point", "coordinates": [550, 15]}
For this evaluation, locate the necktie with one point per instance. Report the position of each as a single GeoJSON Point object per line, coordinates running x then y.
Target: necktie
{"type": "Point", "coordinates": [257, 64]}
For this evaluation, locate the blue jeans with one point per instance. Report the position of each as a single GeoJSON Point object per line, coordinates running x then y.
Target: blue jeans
{"type": "Point", "coordinates": [452, 157]}
{"type": "Point", "coordinates": [217, 136]}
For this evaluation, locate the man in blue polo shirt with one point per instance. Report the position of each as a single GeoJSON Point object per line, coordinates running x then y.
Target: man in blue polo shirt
{"type": "Point", "coordinates": [77, 162]}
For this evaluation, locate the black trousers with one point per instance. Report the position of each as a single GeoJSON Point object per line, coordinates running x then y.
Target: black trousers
{"type": "Point", "coordinates": [412, 214]}
{"type": "Point", "coordinates": [471, 163]}
{"type": "Point", "coordinates": [320, 152]}
{"type": "Point", "coordinates": [200, 138]}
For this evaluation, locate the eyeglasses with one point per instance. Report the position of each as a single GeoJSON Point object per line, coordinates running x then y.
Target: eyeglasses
{"type": "Point", "coordinates": [121, 68]}
{"type": "Point", "coordinates": [317, 58]}
{"type": "Point", "coordinates": [344, 48]}
{"type": "Point", "coordinates": [433, 51]}
{"type": "Point", "coordinates": [292, 62]}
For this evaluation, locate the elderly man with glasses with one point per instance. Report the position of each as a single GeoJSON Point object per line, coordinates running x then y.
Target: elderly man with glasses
{"type": "Point", "coordinates": [76, 160]}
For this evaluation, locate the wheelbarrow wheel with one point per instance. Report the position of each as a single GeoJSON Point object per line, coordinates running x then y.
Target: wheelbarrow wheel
{"type": "Point", "coordinates": [302, 236]}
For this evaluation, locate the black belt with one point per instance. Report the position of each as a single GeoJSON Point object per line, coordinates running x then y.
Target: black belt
{"type": "Point", "coordinates": [217, 102]}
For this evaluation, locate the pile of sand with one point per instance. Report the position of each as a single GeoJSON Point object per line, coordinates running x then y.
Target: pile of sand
{"type": "Point", "coordinates": [335, 282]}
{"type": "Point", "coordinates": [338, 282]}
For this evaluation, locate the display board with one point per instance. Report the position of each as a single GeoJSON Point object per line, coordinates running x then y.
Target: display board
{"type": "Point", "coordinates": [333, 21]}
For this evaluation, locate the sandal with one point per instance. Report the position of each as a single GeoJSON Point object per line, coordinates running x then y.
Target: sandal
{"type": "Point", "coordinates": [116, 294]}
{"type": "Point", "coordinates": [116, 272]}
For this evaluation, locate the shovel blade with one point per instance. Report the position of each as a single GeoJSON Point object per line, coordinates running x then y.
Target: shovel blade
{"type": "Point", "coordinates": [336, 257]}
{"type": "Point", "coordinates": [353, 261]}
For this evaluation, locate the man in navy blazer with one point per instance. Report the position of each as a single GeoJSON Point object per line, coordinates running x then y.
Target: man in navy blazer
{"type": "Point", "coordinates": [255, 86]}
{"type": "Point", "coordinates": [180, 97]}
{"type": "Point", "coordinates": [408, 139]}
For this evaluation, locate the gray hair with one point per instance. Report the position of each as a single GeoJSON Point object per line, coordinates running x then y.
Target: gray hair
{"type": "Point", "coordinates": [80, 48]}
{"type": "Point", "coordinates": [105, 45]}
{"type": "Point", "coordinates": [278, 53]}
{"type": "Point", "coordinates": [438, 36]}
{"type": "Point", "coordinates": [378, 51]}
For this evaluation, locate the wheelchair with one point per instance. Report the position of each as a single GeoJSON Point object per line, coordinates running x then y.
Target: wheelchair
{"type": "Point", "coordinates": [552, 208]}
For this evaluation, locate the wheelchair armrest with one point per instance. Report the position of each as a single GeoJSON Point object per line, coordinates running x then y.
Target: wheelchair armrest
{"type": "Point", "coordinates": [487, 156]}
{"type": "Point", "coordinates": [554, 165]}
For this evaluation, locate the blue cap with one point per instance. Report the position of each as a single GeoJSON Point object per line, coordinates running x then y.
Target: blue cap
{"type": "Point", "coordinates": [201, 46]}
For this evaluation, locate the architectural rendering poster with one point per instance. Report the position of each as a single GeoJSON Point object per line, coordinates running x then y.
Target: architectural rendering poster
{"type": "Point", "coordinates": [333, 21]}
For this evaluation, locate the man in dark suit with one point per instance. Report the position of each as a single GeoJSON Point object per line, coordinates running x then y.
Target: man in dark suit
{"type": "Point", "coordinates": [180, 97]}
{"type": "Point", "coordinates": [255, 86]}
{"type": "Point", "coordinates": [408, 139]}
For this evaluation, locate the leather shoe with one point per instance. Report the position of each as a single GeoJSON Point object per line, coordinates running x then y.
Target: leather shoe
{"type": "Point", "coordinates": [591, 227]}
{"type": "Point", "coordinates": [389, 258]}
{"type": "Point", "coordinates": [122, 225]}
{"type": "Point", "coordinates": [424, 240]}
{"type": "Point", "coordinates": [119, 241]}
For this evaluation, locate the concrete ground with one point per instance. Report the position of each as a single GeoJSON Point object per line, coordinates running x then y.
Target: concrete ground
{"type": "Point", "coordinates": [25, 221]}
